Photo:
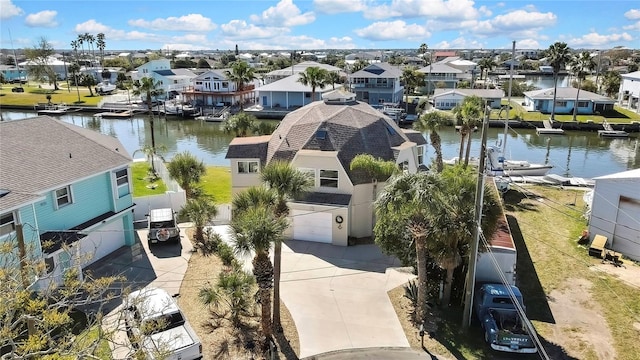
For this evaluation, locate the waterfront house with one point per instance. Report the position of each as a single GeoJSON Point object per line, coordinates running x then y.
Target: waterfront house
{"type": "Point", "coordinates": [588, 102]}
{"type": "Point", "coordinates": [58, 66]}
{"type": "Point", "coordinates": [213, 88]}
{"type": "Point", "coordinates": [321, 139]}
{"type": "Point", "coordinates": [70, 189]}
{"type": "Point", "coordinates": [377, 84]}
{"type": "Point", "coordinates": [442, 75]}
{"type": "Point", "coordinates": [280, 74]}
{"type": "Point", "coordinates": [172, 81]}
{"type": "Point", "coordinates": [447, 99]}
{"type": "Point", "coordinates": [629, 94]}
{"type": "Point", "coordinates": [12, 74]}
{"type": "Point", "coordinates": [290, 93]}
{"type": "Point", "coordinates": [615, 211]}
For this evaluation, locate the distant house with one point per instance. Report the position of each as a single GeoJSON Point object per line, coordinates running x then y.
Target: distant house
{"type": "Point", "coordinates": [173, 81]}
{"type": "Point", "coordinates": [213, 87]}
{"type": "Point", "coordinates": [441, 55]}
{"type": "Point", "coordinates": [290, 93]}
{"type": "Point", "coordinates": [445, 99]}
{"type": "Point", "coordinates": [11, 73]}
{"type": "Point", "coordinates": [588, 102]}
{"type": "Point", "coordinates": [371, 57]}
{"type": "Point", "coordinates": [441, 75]}
{"type": "Point", "coordinates": [377, 83]}
{"type": "Point", "coordinates": [629, 94]}
{"type": "Point", "coordinates": [321, 139]}
{"type": "Point", "coordinates": [615, 212]}
{"type": "Point", "coordinates": [70, 189]}
{"type": "Point", "coordinates": [58, 66]}
{"type": "Point", "coordinates": [280, 74]}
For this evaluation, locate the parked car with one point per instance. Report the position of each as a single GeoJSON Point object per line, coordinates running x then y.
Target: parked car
{"type": "Point", "coordinates": [156, 327]}
{"type": "Point", "coordinates": [162, 226]}
{"type": "Point", "coordinates": [17, 89]}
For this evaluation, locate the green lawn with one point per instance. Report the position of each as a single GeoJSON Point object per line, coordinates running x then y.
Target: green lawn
{"type": "Point", "coordinates": [33, 95]}
{"type": "Point", "coordinates": [142, 186]}
{"type": "Point", "coordinates": [217, 182]}
{"type": "Point", "coordinates": [618, 116]}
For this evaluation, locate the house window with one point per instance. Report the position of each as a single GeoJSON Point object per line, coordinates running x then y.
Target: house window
{"type": "Point", "coordinates": [420, 154]}
{"type": "Point", "coordinates": [248, 167]}
{"type": "Point", "coordinates": [583, 104]}
{"type": "Point", "coordinates": [48, 264]}
{"type": "Point", "coordinates": [122, 182]}
{"type": "Point", "coordinates": [329, 178]}
{"type": "Point", "coordinates": [63, 196]}
{"type": "Point", "coordinates": [225, 84]}
{"type": "Point", "coordinates": [561, 103]}
{"type": "Point", "coordinates": [7, 224]}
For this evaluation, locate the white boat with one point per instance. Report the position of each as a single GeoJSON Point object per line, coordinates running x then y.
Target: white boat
{"type": "Point", "coordinates": [498, 165]}
{"type": "Point", "coordinates": [218, 117]}
{"type": "Point", "coordinates": [105, 88]}
{"type": "Point", "coordinates": [176, 108]}
{"type": "Point", "coordinates": [54, 109]}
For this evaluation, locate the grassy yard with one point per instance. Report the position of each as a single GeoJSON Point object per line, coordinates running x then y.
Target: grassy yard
{"type": "Point", "coordinates": [217, 182]}
{"type": "Point", "coordinates": [33, 95]}
{"type": "Point", "coordinates": [618, 116]}
{"type": "Point", "coordinates": [546, 223]}
{"type": "Point", "coordinates": [142, 184]}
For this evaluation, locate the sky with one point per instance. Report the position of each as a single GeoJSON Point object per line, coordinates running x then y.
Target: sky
{"type": "Point", "coordinates": [322, 24]}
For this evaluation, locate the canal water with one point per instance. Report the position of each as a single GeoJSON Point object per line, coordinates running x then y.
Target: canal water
{"type": "Point", "coordinates": [578, 153]}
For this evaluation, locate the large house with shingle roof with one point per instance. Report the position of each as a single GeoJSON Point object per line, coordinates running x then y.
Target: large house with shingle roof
{"type": "Point", "coordinates": [321, 139]}
{"type": "Point", "coordinates": [70, 189]}
{"type": "Point", "coordinates": [447, 99]}
{"type": "Point", "coordinates": [377, 84]}
{"type": "Point", "coordinates": [588, 102]}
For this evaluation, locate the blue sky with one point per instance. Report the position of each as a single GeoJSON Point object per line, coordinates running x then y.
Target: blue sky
{"type": "Point", "coordinates": [322, 24]}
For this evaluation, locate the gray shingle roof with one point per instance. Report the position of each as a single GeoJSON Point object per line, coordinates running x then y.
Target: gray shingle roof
{"type": "Point", "coordinates": [567, 93]}
{"type": "Point", "coordinates": [483, 93]}
{"type": "Point", "coordinates": [378, 70]}
{"type": "Point", "coordinates": [252, 147]}
{"type": "Point", "coordinates": [415, 136]}
{"type": "Point", "coordinates": [41, 153]}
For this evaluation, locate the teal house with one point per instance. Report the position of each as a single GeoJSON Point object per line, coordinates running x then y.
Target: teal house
{"type": "Point", "coordinates": [69, 189]}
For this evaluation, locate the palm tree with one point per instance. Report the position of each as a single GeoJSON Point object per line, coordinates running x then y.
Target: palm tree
{"type": "Point", "coordinates": [333, 78]}
{"type": "Point", "coordinates": [288, 183]}
{"type": "Point", "coordinates": [241, 73]}
{"type": "Point", "coordinates": [200, 211]}
{"type": "Point", "coordinates": [151, 88]}
{"type": "Point", "coordinates": [239, 124]}
{"type": "Point", "coordinates": [611, 82]}
{"type": "Point", "coordinates": [411, 78]}
{"type": "Point", "coordinates": [80, 41]}
{"type": "Point", "coordinates": [431, 122]}
{"type": "Point", "coordinates": [90, 39]}
{"type": "Point", "coordinates": [559, 55]}
{"type": "Point", "coordinates": [253, 231]}
{"type": "Point", "coordinates": [254, 196]}
{"type": "Point", "coordinates": [101, 44]}
{"type": "Point", "coordinates": [74, 69]}
{"type": "Point", "coordinates": [187, 171]}
{"type": "Point", "coordinates": [315, 77]}
{"type": "Point", "coordinates": [472, 107]}
{"type": "Point", "coordinates": [486, 64]}
{"type": "Point", "coordinates": [423, 50]}
{"type": "Point", "coordinates": [232, 291]}
{"type": "Point", "coordinates": [581, 66]}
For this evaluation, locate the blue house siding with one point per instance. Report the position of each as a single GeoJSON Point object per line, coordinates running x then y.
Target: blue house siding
{"type": "Point", "coordinates": [30, 230]}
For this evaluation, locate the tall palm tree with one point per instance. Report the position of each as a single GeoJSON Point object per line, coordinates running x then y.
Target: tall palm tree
{"type": "Point", "coordinates": [90, 39]}
{"type": "Point", "coordinates": [101, 44]}
{"type": "Point", "coordinates": [288, 183]}
{"type": "Point", "coordinates": [187, 171]}
{"type": "Point", "coordinates": [486, 64]}
{"type": "Point", "coordinates": [423, 50]}
{"type": "Point", "coordinates": [151, 89]}
{"type": "Point", "coordinates": [315, 77]}
{"type": "Point", "coordinates": [333, 78]}
{"type": "Point", "coordinates": [411, 78]}
{"type": "Point", "coordinates": [559, 56]}
{"type": "Point", "coordinates": [581, 65]}
{"type": "Point", "coordinates": [253, 231]}
{"type": "Point", "coordinates": [80, 41]}
{"type": "Point", "coordinates": [472, 107]}
{"type": "Point", "coordinates": [241, 73]}
{"type": "Point", "coordinates": [431, 122]}
{"type": "Point", "coordinates": [200, 211]}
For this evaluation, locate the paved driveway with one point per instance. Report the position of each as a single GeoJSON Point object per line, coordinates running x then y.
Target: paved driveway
{"type": "Point", "coordinates": [163, 266]}
{"type": "Point", "coordinates": [337, 295]}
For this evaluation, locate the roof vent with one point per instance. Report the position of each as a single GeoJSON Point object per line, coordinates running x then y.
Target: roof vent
{"type": "Point", "coordinates": [339, 96]}
{"type": "Point", "coordinates": [321, 134]}
{"type": "Point", "coordinates": [4, 192]}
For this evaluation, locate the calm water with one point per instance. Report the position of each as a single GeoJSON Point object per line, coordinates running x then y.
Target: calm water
{"type": "Point", "coordinates": [546, 81]}
{"type": "Point", "coordinates": [581, 154]}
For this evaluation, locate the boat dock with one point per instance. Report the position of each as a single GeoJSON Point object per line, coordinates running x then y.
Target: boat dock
{"type": "Point", "coordinates": [610, 132]}
{"type": "Point", "coordinates": [549, 129]}
{"type": "Point", "coordinates": [124, 114]}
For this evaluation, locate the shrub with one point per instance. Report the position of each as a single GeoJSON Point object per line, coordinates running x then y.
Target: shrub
{"type": "Point", "coordinates": [210, 244]}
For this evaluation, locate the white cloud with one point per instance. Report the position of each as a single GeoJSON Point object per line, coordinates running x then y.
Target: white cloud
{"type": "Point", "coordinates": [594, 39]}
{"type": "Point", "coordinates": [393, 30]}
{"type": "Point", "coordinates": [528, 44]}
{"type": "Point", "coordinates": [191, 22]}
{"type": "Point", "coordinates": [190, 38]}
{"type": "Point", "coordinates": [484, 11]}
{"type": "Point", "coordinates": [183, 47]}
{"type": "Point", "coordinates": [459, 43]}
{"type": "Point", "coordinates": [632, 14]}
{"type": "Point", "coordinates": [436, 9]}
{"type": "Point", "coordinates": [285, 13]}
{"type": "Point", "coordinates": [46, 18]}
{"type": "Point", "coordinates": [9, 10]}
{"type": "Point", "coordinates": [239, 29]}
{"type": "Point", "coordinates": [339, 6]}
{"type": "Point", "coordinates": [635, 26]}
{"type": "Point", "coordinates": [288, 43]}
{"type": "Point", "coordinates": [111, 34]}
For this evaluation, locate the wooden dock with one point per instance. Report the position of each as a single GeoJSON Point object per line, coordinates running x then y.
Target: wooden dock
{"type": "Point", "coordinates": [548, 129]}
{"type": "Point", "coordinates": [610, 132]}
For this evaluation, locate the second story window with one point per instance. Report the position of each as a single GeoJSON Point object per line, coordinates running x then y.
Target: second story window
{"type": "Point", "coordinates": [63, 196]}
{"type": "Point", "coordinates": [248, 167]}
{"type": "Point", "coordinates": [329, 178]}
{"type": "Point", "coordinates": [7, 224]}
{"type": "Point", "coordinates": [420, 154]}
{"type": "Point", "coordinates": [122, 182]}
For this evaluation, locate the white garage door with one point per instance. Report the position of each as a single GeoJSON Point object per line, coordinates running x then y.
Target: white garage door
{"type": "Point", "coordinates": [627, 228]}
{"type": "Point", "coordinates": [312, 226]}
{"type": "Point", "coordinates": [102, 242]}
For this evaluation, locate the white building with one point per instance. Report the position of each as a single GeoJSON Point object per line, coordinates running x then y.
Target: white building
{"type": "Point", "coordinates": [172, 80]}
{"type": "Point", "coordinates": [615, 212]}
{"type": "Point", "coordinates": [629, 94]}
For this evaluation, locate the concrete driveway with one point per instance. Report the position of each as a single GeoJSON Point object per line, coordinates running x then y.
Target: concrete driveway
{"type": "Point", "coordinates": [337, 295]}
{"type": "Point", "coordinates": [163, 266]}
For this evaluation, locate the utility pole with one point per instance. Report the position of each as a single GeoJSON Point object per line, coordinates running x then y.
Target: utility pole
{"type": "Point", "coordinates": [473, 253]}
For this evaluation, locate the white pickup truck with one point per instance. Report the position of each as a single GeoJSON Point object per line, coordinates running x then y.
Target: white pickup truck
{"type": "Point", "coordinates": [157, 327]}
